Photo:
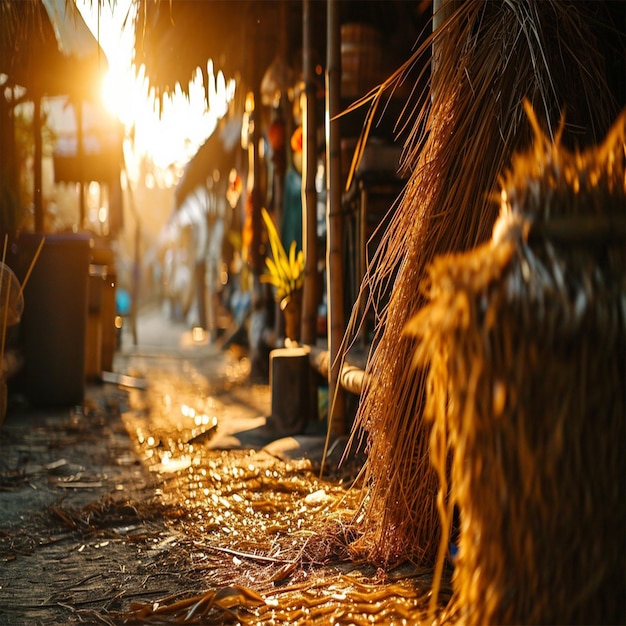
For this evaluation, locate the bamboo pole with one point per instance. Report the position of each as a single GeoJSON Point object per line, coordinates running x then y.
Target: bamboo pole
{"type": "Point", "coordinates": [6, 307]}
{"type": "Point", "coordinates": [31, 266]}
{"type": "Point", "coordinates": [309, 195]}
{"type": "Point", "coordinates": [334, 262]}
{"type": "Point", "coordinates": [442, 10]}
{"type": "Point", "coordinates": [38, 206]}
{"type": "Point", "coordinates": [254, 167]}
{"type": "Point", "coordinates": [80, 155]}
{"type": "Point", "coordinates": [351, 377]}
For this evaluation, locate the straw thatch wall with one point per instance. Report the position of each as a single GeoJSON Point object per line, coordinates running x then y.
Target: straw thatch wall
{"type": "Point", "coordinates": [493, 54]}
{"type": "Point", "coordinates": [525, 342]}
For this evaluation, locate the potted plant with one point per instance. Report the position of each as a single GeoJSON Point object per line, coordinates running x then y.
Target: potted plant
{"type": "Point", "coordinates": [285, 272]}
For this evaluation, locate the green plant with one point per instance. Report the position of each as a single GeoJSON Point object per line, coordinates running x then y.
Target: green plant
{"type": "Point", "coordinates": [284, 271]}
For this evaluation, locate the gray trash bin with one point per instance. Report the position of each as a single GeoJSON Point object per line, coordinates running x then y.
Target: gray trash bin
{"type": "Point", "coordinates": [54, 322]}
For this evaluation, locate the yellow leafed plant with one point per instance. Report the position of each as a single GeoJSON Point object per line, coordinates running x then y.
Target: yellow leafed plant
{"type": "Point", "coordinates": [284, 271]}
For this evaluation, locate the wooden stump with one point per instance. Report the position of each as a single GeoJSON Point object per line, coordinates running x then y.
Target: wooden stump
{"type": "Point", "coordinates": [289, 383]}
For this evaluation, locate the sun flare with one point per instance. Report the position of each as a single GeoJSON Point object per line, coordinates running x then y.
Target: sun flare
{"type": "Point", "coordinates": [166, 134]}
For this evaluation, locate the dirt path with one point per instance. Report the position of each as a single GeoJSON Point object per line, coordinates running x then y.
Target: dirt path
{"type": "Point", "coordinates": [126, 510]}
{"type": "Point", "coordinates": [83, 527]}
{"type": "Point", "coordinates": [70, 541]}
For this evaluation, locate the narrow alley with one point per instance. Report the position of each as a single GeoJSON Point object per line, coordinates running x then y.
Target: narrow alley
{"type": "Point", "coordinates": [166, 496]}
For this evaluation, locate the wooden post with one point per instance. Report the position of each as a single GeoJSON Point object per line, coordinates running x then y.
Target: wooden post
{"type": "Point", "coordinates": [309, 194]}
{"type": "Point", "coordinates": [37, 178]}
{"type": "Point", "coordinates": [289, 383]}
{"type": "Point", "coordinates": [442, 10]}
{"type": "Point", "coordinates": [334, 251]}
{"type": "Point", "coordinates": [80, 157]}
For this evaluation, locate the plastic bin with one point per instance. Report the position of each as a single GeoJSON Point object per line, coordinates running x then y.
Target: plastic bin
{"type": "Point", "coordinates": [53, 325]}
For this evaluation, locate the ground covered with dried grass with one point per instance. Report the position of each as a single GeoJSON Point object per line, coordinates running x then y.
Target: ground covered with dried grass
{"type": "Point", "coordinates": [121, 511]}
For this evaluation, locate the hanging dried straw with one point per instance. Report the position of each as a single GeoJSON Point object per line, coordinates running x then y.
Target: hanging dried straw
{"type": "Point", "coordinates": [524, 340]}
{"type": "Point", "coordinates": [494, 54]}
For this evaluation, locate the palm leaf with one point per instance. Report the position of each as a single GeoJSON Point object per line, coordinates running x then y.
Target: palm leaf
{"type": "Point", "coordinates": [273, 236]}
{"type": "Point", "coordinates": [284, 271]}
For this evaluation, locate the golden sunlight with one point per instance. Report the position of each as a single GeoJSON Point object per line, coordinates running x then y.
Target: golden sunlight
{"type": "Point", "coordinates": [167, 135]}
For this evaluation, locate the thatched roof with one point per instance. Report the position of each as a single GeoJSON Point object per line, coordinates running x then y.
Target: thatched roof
{"type": "Point", "coordinates": [217, 152]}
{"type": "Point", "coordinates": [241, 37]}
{"type": "Point", "coordinates": [47, 48]}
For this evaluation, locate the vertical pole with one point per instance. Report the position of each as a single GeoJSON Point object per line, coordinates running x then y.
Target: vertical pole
{"type": "Point", "coordinates": [442, 9]}
{"type": "Point", "coordinates": [255, 160]}
{"type": "Point", "coordinates": [334, 252]}
{"type": "Point", "coordinates": [134, 302]}
{"type": "Point", "coordinates": [279, 117]}
{"type": "Point", "coordinates": [8, 163]}
{"type": "Point", "coordinates": [309, 195]}
{"type": "Point", "coordinates": [80, 156]}
{"type": "Point", "coordinates": [37, 200]}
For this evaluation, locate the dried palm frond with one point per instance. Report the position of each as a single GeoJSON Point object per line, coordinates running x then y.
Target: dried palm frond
{"type": "Point", "coordinates": [493, 55]}
{"type": "Point", "coordinates": [524, 339]}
